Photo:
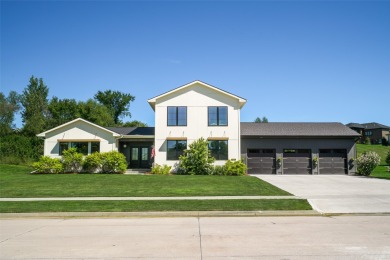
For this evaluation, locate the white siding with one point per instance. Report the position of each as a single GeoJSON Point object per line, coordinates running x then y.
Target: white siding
{"type": "Point", "coordinates": [196, 98]}
{"type": "Point", "coordinates": [78, 131]}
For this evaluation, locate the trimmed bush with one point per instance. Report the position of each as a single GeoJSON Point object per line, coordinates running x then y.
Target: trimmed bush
{"type": "Point", "coordinates": [218, 170]}
{"type": "Point", "coordinates": [367, 162]}
{"type": "Point", "coordinates": [113, 162]}
{"type": "Point", "coordinates": [47, 164]}
{"type": "Point", "coordinates": [235, 168]}
{"type": "Point", "coordinates": [388, 158]}
{"type": "Point", "coordinates": [93, 163]}
{"type": "Point", "coordinates": [196, 160]}
{"type": "Point", "coordinates": [161, 169]}
{"type": "Point", "coordinates": [72, 160]}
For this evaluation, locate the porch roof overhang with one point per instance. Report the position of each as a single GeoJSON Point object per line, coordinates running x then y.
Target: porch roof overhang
{"type": "Point", "coordinates": [212, 138]}
{"type": "Point", "coordinates": [78, 140]}
{"type": "Point", "coordinates": [137, 137]}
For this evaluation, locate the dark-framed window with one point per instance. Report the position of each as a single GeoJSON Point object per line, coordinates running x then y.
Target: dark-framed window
{"type": "Point", "coordinates": [82, 147]}
{"type": "Point", "coordinates": [175, 148]}
{"type": "Point", "coordinates": [219, 149]}
{"type": "Point", "coordinates": [218, 116]}
{"type": "Point", "coordinates": [177, 116]}
{"type": "Point", "coordinates": [368, 133]}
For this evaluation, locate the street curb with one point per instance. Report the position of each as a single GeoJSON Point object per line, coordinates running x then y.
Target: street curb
{"type": "Point", "coordinates": [168, 214]}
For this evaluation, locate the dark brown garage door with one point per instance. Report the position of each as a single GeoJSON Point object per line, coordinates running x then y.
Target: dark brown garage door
{"type": "Point", "coordinates": [296, 161]}
{"type": "Point", "coordinates": [261, 161]}
{"type": "Point", "coordinates": [333, 161]}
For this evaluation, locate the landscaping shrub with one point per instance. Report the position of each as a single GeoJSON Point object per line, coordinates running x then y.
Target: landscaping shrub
{"type": "Point", "coordinates": [196, 160]}
{"type": "Point", "coordinates": [113, 162]}
{"type": "Point", "coordinates": [161, 169]}
{"type": "Point", "coordinates": [235, 168]}
{"type": "Point", "coordinates": [72, 160]}
{"type": "Point", "coordinates": [367, 162]}
{"type": "Point", "coordinates": [20, 149]}
{"type": "Point", "coordinates": [47, 164]}
{"type": "Point", "coordinates": [388, 158]}
{"type": "Point", "coordinates": [218, 170]}
{"type": "Point", "coordinates": [93, 163]}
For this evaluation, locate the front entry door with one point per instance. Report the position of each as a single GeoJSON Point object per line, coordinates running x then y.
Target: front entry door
{"type": "Point", "coordinates": [139, 157]}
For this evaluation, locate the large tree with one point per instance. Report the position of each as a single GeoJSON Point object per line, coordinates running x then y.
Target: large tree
{"type": "Point", "coordinates": [35, 106]}
{"type": "Point", "coordinates": [95, 113]}
{"type": "Point", "coordinates": [135, 123]}
{"type": "Point", "coordinates": [8, 107]}
{"type": "Point", "coordinates": [62, 111]}
{"type": "Point", "coordinates": [117, 102]}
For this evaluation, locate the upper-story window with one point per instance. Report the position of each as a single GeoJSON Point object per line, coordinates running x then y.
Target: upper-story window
{"type": "Point", "coordinates": [218, 116]}
{"type": "Point", "coordinates": [368, 133]}
{"type": "Point", "coordinates": [177, 116]}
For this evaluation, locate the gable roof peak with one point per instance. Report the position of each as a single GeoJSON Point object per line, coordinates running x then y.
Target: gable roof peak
{"type": "Point", "coordinates": [152, 101]}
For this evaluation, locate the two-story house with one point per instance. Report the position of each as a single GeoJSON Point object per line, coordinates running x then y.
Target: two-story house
{"type": "Point", "coordinates": [192, 111]}
{"type": "Point", "coordinates": [199, 110]}
{"type": "Point", "coordinates": [374, 131]}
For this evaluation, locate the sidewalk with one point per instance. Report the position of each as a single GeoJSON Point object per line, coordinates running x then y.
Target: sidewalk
{"type": "Point", "coordinates": [154, 198]}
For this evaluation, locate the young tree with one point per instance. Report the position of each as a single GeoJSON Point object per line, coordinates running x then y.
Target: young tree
{"type": "Point", "coordinates": [35, 105]}
{"type": "Point", "coordinates": [117, 102]}
{"type": "Point", "coordinates": [196, 160]}
{"type": "Point", "coordinates": [8, 107]}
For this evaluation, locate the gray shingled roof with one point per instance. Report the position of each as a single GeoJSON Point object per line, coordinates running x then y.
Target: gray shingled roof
{"type": "Point", "coordinates": [374, 125]}
{"type": "Point", "coordinates": [297, 130]}
{"type": "Point", "coordinates": [132, 130]}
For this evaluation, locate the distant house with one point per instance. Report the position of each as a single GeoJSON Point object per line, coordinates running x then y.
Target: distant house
{"type": "Point", "coordinates": [199, 110]}
{"type": "Point", "coordinates": [374, 131]}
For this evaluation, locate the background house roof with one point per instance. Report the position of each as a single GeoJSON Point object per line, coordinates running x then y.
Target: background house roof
{"type": "Point", "coordinates": [132, 130]}
{"type": "Point", "coordinates": [355, 125]}
{"type": "Point", "coordinates": [297, 130]}
{"type": "Point", "coordinates": [374, 125]}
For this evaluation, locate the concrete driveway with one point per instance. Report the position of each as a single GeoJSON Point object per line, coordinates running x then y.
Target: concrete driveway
{"type": "Point", "coordinates": [337, 193]}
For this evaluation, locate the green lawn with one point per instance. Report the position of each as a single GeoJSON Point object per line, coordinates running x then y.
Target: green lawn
{"type": "Point", "coordinates": [16, 181]}
{"type": "Point", "coordinates": [381, 170]}
{"type": "Point", "coordinates": [161, 205]}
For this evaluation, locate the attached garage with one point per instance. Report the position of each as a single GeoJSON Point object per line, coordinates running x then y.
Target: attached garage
{"type": "Point", "coordinates": [291, 148]}
{"type": "Point", "coordinates": [261, 161]}
{"type": "Point", "coordinates": [296, 161]}
{"type": "Point", "coordinates": [333, 161]}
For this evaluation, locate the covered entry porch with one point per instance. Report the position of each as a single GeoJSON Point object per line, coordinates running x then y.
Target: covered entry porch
{"type": "Point", "coordinates": [139, 153]}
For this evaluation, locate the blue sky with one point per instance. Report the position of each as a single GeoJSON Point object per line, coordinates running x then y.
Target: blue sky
{"type": "Point", "coordinates": [314, 61]}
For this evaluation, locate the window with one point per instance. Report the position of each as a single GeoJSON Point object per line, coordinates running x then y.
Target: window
{"type": "Point", "coordinates": [177, 116]}
{"type": "Point", "coordinates": [175, 149]}
{"type": "Point", "coordinates": [95, 147]}
{"type": "Point", "coordinates": [219, 149]}
{"type": "Point", "coordinates": [81, 147]}
{"type": "Point", "coordinates": [368, 133]}
{"type": "Point", "coordinates": [218, 116]}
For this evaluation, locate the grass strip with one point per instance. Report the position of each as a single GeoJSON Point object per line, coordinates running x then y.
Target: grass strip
{"type": "Point", "coordinates": [381, 172]}
{"type": "Point", "coordinates": [17, 182]}
{"type": "Point", "coordinates": [159, 205]}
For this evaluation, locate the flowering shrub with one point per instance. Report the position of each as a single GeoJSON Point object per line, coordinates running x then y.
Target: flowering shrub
{"type": "Point", "coordinates": [367, 162]}
{"type": "Point", "coordinates": [48, 165]}
{"type": "Point", "coordinates": [72, 160]}
{"type": "Point", "coordinates": [161, 169]}
{"type": "Point", "coordinates": [388, 158]}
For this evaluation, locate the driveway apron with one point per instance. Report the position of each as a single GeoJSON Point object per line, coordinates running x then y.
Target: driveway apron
{"type": "Point", "coordinates": [337, 193]}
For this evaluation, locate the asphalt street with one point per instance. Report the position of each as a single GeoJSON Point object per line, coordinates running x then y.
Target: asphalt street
{"type": "Point", "coordinates": [320, 237]}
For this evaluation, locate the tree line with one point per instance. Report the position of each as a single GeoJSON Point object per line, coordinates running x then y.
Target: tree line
{"type": "Point", "coordinates": [39, 113]}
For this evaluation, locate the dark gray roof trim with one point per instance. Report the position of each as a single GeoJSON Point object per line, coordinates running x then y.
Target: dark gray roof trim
{"type": "Point", "coordinates": [296, 130]}
{"type": "Point", "coordinates": [132, 130]}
